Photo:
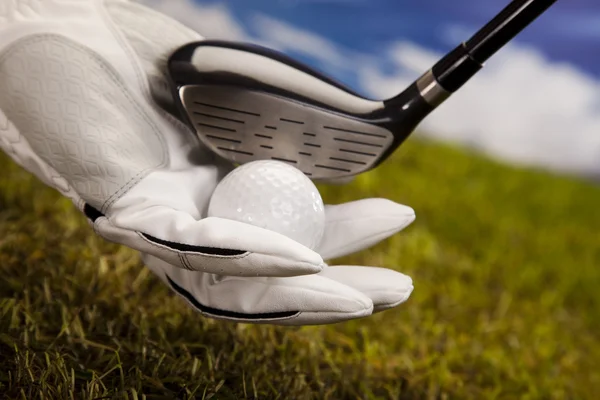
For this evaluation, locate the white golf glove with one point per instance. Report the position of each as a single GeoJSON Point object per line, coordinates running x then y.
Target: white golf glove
{"type": "Point", "coordinates": [80, 86]}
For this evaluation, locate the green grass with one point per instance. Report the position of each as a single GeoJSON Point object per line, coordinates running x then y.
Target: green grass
{"type": "Point", "coordinates": [506, 302]}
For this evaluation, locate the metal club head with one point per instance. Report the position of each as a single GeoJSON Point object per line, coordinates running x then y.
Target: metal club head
{"type": "Point", "coordinates": [247, 102]}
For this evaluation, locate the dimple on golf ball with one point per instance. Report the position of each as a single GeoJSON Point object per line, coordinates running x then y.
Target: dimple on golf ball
{"type": "Point", "coordinates": [272, 195]}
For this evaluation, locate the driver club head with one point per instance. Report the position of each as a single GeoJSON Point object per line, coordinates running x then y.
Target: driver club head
{"type": "Point", "coordinates": [246, 102]}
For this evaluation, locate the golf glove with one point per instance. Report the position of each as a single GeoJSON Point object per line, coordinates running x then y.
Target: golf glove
{"type": "Point", "coordinates": [84, 105]}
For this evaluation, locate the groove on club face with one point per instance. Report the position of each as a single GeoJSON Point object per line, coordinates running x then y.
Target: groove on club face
{"type": "Point", "coordinates": [242, 125]}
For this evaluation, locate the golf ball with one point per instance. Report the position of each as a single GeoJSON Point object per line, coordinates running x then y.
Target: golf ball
{"type": "Point", "coordinates": [272, 195]}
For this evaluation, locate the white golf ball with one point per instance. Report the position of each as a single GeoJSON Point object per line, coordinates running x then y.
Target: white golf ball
{"type": "Point", "coordinates": [272, 195]}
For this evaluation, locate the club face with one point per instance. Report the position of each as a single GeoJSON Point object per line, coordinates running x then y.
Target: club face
{"type": "Point", "coordinates": [243, 118]}
{"type": "Point", "coordinates": [243, 126]}
{"type": "Point", "coordinates": [249, 103]}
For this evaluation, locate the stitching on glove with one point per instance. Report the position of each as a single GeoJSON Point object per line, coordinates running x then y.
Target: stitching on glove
{"type": "Point", "coordinates": [215, 312]}
{"type": "Point", "coordinates": [124, 189]}
{"type": "Point", "coordinates": [121, 36]}
{"type": "Point", "coordinates": [182, 262]}
{"type": "Point", "coordinates": [187, 248]}
{"type": "Point", "coordinates": [93, 215]}
{"type": "Point", "coordinates": [124, 91]}
{"type": "Point", "coordinates": [186, 262]}
{"type": "Point", "coordinates": [125, 46]}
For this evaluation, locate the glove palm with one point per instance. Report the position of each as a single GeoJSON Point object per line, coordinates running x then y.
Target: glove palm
{"type": "Point", "coordinates": [85, 107]}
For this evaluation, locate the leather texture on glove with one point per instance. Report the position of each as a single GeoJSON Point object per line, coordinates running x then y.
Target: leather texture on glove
{"type": "Point", "coordinates": [85, 106]}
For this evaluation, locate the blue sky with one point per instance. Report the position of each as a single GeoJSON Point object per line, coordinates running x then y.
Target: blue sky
{"type": "Point", "coordinates": [536, 103]}
{"type": "Point", "coordinates": [569, 31]}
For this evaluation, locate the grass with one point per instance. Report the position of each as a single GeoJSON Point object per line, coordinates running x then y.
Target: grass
{"type": "Point", "coordinates": [506, 305]}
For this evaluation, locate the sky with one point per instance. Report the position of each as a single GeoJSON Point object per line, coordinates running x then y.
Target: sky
{"type": "Point", "coordinates": [536, 103]}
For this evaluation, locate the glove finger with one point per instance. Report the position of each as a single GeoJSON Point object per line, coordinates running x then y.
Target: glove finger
{"type": "Point", "coordinates": [386, 288]}
{"type": "Point", "coordinates": [355, 226]}
{"type": "Point", "coordinates": [212, 245]}
{"type": "Point", "coordinates": [163, 215]}
{"type": "Point", "coordinates": [299, 300]}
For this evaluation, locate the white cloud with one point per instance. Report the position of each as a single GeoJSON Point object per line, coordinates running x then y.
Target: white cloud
{"type": "Point", "coordinates": [216, 21]}
{"type": "Point", "coordinates": [211, 21]}
{"type": "Point", "coordinates": [286, 37]}
{"type": "Point", "coordinates": [520, 107]}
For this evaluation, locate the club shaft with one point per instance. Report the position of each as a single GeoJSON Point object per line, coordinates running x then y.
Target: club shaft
{"type": "Point", "coordinates": [504, 27]}
{"type": "Point", "coordinates": [461, 64]}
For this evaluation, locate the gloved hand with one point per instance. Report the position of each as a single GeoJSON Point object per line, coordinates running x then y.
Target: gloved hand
{"type": "Point", "coordinates": [83, 100]}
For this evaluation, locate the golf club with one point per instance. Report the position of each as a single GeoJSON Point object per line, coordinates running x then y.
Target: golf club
{"type": "Point", "coordinates": [246, 102]}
